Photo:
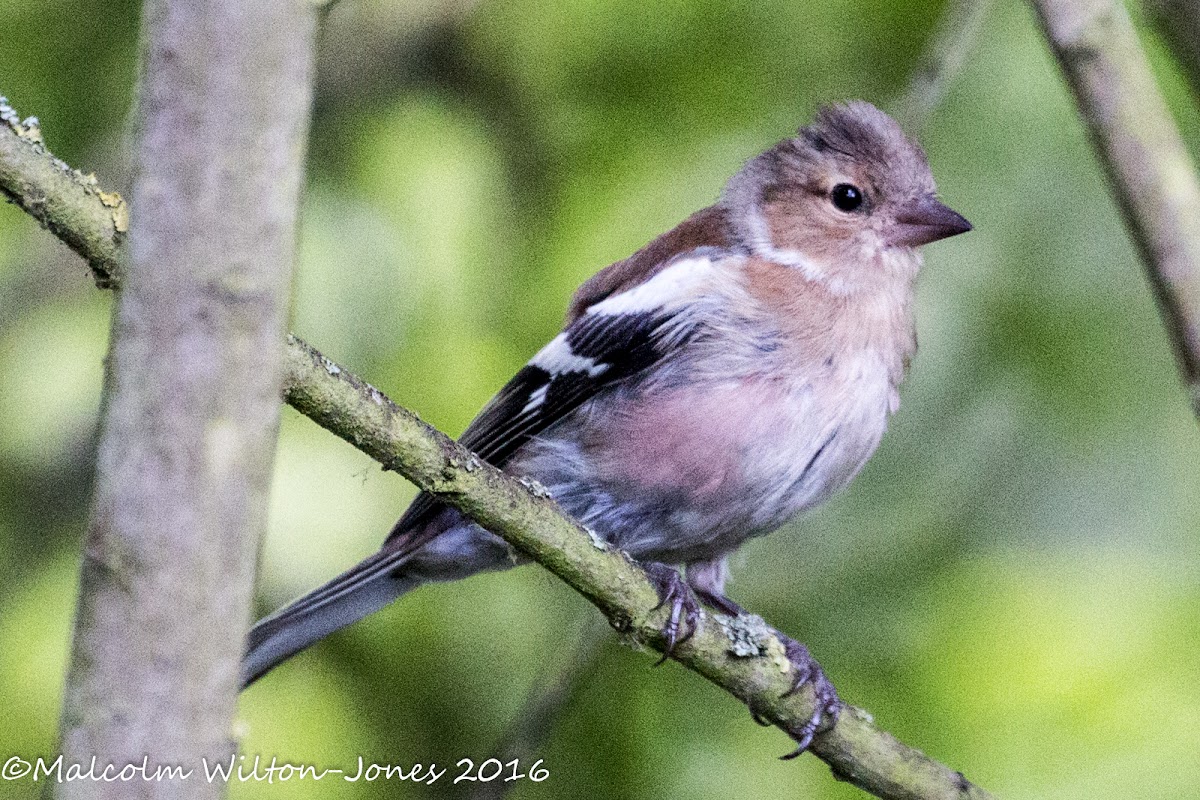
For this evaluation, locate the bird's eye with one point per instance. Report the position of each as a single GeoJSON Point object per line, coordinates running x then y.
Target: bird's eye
{"type": "Point", "coordinates": [847, 197]}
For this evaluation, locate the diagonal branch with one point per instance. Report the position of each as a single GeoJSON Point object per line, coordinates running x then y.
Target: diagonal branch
{"type": "Point", "coordinates": [1148, 166]}
{"type": "Point", "coordinates": [855, 749]}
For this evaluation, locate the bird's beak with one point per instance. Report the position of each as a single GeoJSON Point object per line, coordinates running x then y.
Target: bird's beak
{"type": "Point", "coordinates": [924, 220]}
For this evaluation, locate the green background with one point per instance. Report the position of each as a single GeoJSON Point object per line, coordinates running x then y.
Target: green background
{"type": "Point", "coordinates": [1010, 586]}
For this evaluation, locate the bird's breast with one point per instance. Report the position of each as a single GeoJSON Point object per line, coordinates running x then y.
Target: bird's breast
{"type": "Point", "coordinates": [757, 448]}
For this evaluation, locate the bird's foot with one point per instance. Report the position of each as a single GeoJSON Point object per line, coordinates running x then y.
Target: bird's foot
{"type": "Point", "coordinates": [807, 672]}
{"type": "Point", "coordinates": [674, 593]}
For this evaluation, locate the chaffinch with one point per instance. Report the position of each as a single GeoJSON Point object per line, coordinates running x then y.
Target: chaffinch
{"type": "Point", "coordinates": [737, 370]}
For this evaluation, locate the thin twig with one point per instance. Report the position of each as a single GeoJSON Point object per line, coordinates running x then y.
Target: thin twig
{"type": "Point", "coordinates": [942, 61]}
{"type": "Point", "coordinates": [549, 697]}
{"type": "Point", "coordinates": [855, 749]}
{"type": "Point", "coordinates": [1148, 166]}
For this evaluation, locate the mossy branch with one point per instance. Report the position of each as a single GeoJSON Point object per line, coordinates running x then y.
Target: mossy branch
{"type": "Point", "coordinates": [855, 749]}
{"type": "Point", "coordinates": [66, 202]}
{"type": "Point", "coordinates": [1148, 166]}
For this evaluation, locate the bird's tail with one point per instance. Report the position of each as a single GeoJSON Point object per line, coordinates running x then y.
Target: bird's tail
{"type": "Point", "coordinates": [361, 590]}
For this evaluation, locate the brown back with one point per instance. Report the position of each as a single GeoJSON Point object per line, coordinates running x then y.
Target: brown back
{"type": "Point", "coordinates": [708, 227]}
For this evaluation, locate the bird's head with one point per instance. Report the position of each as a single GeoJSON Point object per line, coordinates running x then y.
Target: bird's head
{"type": "Point", "coordinates": [848, 199]}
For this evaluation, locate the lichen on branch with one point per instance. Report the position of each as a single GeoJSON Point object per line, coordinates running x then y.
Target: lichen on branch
{"type": "Point", "coordinates": [69, 204]}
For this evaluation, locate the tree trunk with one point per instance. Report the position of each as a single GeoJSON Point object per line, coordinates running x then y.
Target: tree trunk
{"type": "Point", "coordinates": [192, 393]}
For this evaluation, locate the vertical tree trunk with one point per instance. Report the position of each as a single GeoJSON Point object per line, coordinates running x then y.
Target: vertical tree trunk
{"type": "Point", "coordinates": [192, 394]}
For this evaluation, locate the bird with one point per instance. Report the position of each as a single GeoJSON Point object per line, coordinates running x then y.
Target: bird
{"type": "Point", "coordinates": [736, 371]}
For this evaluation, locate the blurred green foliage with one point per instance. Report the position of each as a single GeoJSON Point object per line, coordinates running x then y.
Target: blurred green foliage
{"type": "Point", "coordinates": [1011, 585]}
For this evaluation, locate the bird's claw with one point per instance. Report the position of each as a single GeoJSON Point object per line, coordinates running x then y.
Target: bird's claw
{"type": "Point", "coordinates": [807, 672]}
{"type": "Point", "coordinates": [674, 593]}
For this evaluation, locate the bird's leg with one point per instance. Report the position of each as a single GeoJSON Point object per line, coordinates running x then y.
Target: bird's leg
{"type": "Point", "coordinates": [807, 672]}
{"type": "Point", "coordinates": [707, 579]}
{"type": "Point", "coordinates": [719, 602]}
{"type": "Point", "coordinates": [674, 593]}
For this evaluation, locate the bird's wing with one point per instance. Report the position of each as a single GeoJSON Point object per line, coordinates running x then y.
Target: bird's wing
{"type": "Point", "coordinates": [608, 342]}
{"type": "Point", "coordinates": [622, 333]}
